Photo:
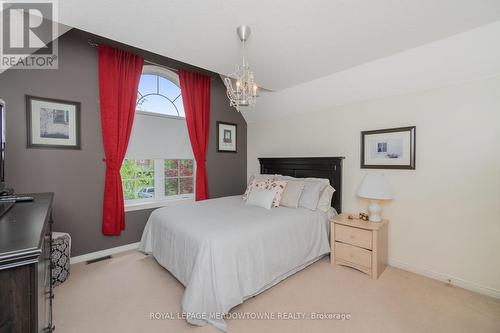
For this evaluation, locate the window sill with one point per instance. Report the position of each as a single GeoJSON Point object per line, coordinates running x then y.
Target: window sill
{"type": "Point", "coordinates": [155, 204]}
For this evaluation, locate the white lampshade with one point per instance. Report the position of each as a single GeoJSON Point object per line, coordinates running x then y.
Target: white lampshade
{"type": "Point", "coordinates": [375, 186]}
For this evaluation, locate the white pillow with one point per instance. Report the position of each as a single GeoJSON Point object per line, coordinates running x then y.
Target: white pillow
{"type": "Point", "coordinates": [292, 193]}
{"type": "Point", "coordinates": [310, 195]}
{"type": "Point", "coordinates": [312, 192]}
{"type": "Point", "coordinates": [261, 198]}
{"type": "Point", "coordinates": [325, 199]}
{"type": "Point", "coordinates": [325, 181]}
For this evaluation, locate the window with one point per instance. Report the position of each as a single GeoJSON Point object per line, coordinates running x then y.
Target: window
{"type": "Point", "coordinates": [138, 179]}
{"type": "Point", "coordinates": [157, 180]}
{"type": "Point", "coordinates": [159, 92]}
{"type": "Point", "coordinates": [178, 177]}
{"type": "Point", "coordinates": [159, 165]}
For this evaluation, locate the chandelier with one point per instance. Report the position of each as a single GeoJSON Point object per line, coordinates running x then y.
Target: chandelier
{"type": "Point", "coordinates": [245, 92]}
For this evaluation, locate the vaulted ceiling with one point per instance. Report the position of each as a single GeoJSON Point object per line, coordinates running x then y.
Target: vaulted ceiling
{"type": "Point", "coordinates": [470, 55]}
{"type": "Point", "coordinates": [294, 44]}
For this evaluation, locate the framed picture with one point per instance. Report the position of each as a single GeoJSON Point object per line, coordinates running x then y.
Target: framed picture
{"type": "Point", "coordinates": [226, 137]}
{"type": "Point", "coordinates": [392, 148]}
{"type": "Point", "coordinates": [52, 123]}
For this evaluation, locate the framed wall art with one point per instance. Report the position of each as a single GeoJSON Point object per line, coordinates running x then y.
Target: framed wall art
{"type": "Point", "coordinates": [392, 148]}
{"type": "Point", "coordinates": [52, 123]}
{"type": "Point", "coordinates": [226, 137]}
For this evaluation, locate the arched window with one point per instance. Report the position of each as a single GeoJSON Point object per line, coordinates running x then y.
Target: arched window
{"type": "Point", "coordinates": [159, 164]}
{"type": "Point", "coordinates": [160, 92]}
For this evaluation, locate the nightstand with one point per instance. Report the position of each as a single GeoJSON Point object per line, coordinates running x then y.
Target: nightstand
{"type": "Point", "coordinates": [359, 244]}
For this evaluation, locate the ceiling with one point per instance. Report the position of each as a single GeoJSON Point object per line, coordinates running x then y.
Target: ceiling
{"type": "Point", "coordinates": [471, 55]}
{"type": "Point", "coordinates": [292, 42]}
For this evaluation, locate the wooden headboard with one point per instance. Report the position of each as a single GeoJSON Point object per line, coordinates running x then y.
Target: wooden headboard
{"type": "Point", "coordinates": [301, 167]}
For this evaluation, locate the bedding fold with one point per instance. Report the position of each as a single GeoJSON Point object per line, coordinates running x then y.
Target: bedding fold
{"type": "Point", "coordinates": [224, 251]}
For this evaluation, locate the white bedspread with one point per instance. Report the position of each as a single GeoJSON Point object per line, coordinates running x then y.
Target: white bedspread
{"type": "Point", "coordinates": [223, 251]}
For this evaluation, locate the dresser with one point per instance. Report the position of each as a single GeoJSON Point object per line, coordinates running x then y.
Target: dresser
{"type": "Point", "coordinates": [359, 244]}
{"type": "Point", "coordinates": [25, 270]}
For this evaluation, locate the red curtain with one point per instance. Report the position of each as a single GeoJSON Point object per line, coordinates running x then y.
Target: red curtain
{"type": "Point", "coordinates": [119, 75]}
{"type": "Point", "coordinates": [195, 90]}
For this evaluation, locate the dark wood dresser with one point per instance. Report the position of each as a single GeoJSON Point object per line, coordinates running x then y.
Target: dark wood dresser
{"type": "Point", "coordinates": [25, 267]}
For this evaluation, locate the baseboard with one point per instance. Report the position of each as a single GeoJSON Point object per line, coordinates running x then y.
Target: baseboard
{"type": "Point", "coordinates": [472, 286]}
{"type": "Point", "coordinates": [454, 281]}
{"type": "Point", "coordinates": [103, 253]}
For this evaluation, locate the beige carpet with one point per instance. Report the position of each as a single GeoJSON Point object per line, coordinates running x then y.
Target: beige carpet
{"type": "Point", "coordinates": [118, 295]}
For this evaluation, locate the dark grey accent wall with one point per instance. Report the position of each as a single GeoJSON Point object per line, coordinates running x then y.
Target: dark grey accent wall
{"type": "Point", "coordinates": [224, 169]}
{"type": "Point", "coordinates": [77, 176]}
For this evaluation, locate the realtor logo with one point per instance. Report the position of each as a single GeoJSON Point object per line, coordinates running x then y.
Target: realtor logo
{"type": "Point", "coordinates": [29, 34]}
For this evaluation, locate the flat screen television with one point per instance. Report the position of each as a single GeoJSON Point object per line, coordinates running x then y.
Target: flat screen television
{"type": "Point", "coordinates": [2, 145]}
{"type": "Point", "coordinates": [4, 205]}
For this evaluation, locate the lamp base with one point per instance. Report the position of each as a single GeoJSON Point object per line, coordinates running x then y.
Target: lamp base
{"type": "Point", "coordinates": [374, 210]}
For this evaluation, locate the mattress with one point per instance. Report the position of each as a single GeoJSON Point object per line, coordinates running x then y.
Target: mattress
{"type": "Point", "coordinates": [224, 251]}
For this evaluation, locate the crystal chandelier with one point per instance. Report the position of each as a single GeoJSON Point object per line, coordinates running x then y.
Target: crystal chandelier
{"type": "Point", "coordinates": [245, 92]}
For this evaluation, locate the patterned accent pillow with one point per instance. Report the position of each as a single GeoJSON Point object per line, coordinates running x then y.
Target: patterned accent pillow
{"type": "Point", "coordinates": [262, 185]}
{"type": "Point", "coordinates": [278, 186]}
{"type": "Point", "coordinates": [261, 178]}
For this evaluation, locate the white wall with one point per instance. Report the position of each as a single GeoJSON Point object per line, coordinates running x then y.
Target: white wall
{"type": "Point", "coordinates": [445, 218]}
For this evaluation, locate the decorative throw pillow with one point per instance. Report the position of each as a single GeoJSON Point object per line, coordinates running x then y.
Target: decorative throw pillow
{"type": "Point", "coordinates": [325, 199]}
{"type": "Point", "coordinates": [310, 195]}
{"type": "Point", "coordinates": [261, 198]}
{"type": "Point", "coordinates": [291, 195]}
{"type": "Point", "coordinates": [278, 186]}
{"type": "Point", "coordinates": [260, 178]}
{"type": "Point", "coordinates": [255, 184]}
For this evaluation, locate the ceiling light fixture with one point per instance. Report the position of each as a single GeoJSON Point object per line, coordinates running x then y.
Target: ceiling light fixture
{"type": "Point", "coordinates": [245, 93]}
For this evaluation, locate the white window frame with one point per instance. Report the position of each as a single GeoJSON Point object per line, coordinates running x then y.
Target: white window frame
{"type": "Point", "coordinates": [160, 199]}
{"type": "Point", "coordinates": [169, 75]}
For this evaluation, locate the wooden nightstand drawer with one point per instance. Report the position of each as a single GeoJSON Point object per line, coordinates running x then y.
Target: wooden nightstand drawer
{"type": "Point", "coordinates": [353, 254]}
{"type": "Point", "coordinates": [354, 236]}
{"type": "Point", "coordinates": [359, 244]}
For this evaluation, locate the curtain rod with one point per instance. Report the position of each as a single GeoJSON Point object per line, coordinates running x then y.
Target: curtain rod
{"type": "Point", "coordinates": [147, 62]}
{"type": "Point", "coordinates": [94, 44]}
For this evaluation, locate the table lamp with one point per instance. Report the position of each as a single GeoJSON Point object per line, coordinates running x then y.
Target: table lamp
{"type": "Point", "coordinates": [375, 187]}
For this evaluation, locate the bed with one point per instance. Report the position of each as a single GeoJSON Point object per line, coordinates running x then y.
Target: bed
{"type": "Point", "coordinates": [224, 251]}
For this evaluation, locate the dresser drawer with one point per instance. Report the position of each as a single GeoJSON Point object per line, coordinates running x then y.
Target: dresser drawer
{"type": "Point", "coordinates": [353, 254]}
{"type": "Point", "coordinates": [354, 236]}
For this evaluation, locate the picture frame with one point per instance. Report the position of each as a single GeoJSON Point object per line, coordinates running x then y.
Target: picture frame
{"type": "Point", "coordinates": [391, 148]}
{"type": "Point", "coordinates": [227, 137]}
{"type": "Point", "coordinates": [52, 123]}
